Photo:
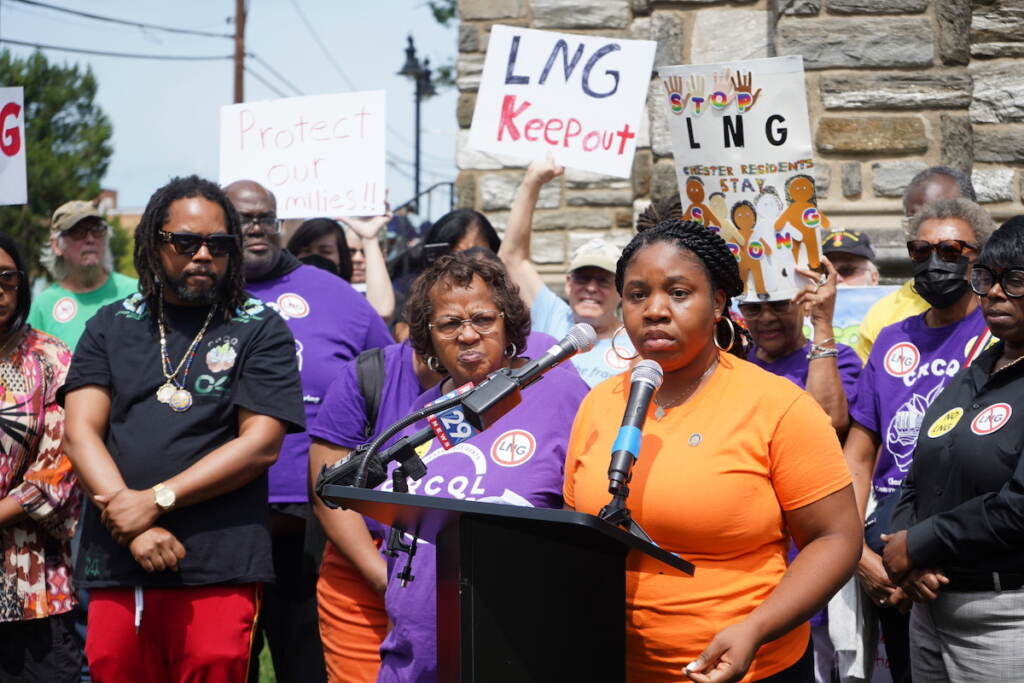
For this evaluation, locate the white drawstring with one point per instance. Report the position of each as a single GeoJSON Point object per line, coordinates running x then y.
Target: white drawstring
{"type": "Point", "coordinates": [138, 608]}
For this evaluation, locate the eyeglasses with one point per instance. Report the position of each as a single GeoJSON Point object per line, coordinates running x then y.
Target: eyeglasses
{"type": "Point", "coordinates": [268, 224]}
{"type": "Point", "coordinates": [83, 228]}
{"type": "Point", "coordinates": [188, 244]}
{"type": "Point", "coordinates": [11, 280]}
{"type": "Point", "coordinates": [583, 278]}
{"type": "Point", "coordinates": [482, 321]}
{"type": "Point", "coordinates": [753, 310]}
{"type": "Point", "coordinates": [1011, 280]}
{"type": "Point", "coordinates": [947, 250]}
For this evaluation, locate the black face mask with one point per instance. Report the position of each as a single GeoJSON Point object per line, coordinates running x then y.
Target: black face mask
{"type": "Point", "coordinates": [941, 283]}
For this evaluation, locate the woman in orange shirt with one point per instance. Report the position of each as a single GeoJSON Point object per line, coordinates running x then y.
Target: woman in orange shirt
{"type": "Point", "coordinates": [734, 462]}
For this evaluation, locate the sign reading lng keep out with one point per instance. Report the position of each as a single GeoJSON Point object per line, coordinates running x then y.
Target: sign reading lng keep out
{"type": "Point", "coordinates": [579, 97]}
{"type": "Point", "coordinates": [13, 179]}
{"type": "Point", "coordinates": [321, 155]}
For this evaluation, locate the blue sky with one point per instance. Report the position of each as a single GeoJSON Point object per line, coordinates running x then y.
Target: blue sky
{"type": "Point", "coordinates": [165, 114]}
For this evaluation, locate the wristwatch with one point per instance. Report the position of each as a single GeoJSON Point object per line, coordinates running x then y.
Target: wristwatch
{"type": "Point", "coordinates": [164, 497]}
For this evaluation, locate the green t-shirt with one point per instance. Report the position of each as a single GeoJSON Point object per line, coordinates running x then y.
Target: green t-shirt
{"type": "Point", "coordinates": [63, 314]}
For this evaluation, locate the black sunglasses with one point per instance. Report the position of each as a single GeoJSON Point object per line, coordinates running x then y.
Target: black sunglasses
{"type": "Point", "coordinates": [947, 250]}
{"type": "Point", "coordinates": [188, 244]}
{"type": "Point", "coordinates": [1011, 280]}
{"type": "Point", "coordinates": [11, 280]}
{"type": "Point", "coordinates": [753, 310]}
{"type": "Point", "coordinates": [83, 228]}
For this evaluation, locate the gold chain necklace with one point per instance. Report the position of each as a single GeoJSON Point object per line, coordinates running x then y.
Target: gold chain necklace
{"type": "Point", "coordinates": [662, 406]}
{"type": "Point", "coordinates": [171, 392]}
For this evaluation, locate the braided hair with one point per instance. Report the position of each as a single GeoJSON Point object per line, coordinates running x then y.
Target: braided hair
{"type": "Point", "coordinates": [147, 240]}
{"type": "Point", "coordinates": [715, 258]}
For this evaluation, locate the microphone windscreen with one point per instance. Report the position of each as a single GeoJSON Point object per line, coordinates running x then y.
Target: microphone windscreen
{"type": "Point", "coordinates": [582, 337]}
{"type": "Point", "coordinates": [647, 371]}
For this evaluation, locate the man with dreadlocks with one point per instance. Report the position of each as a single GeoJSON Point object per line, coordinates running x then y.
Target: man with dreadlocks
{"type": "Point", "coordinates": [177, 402]}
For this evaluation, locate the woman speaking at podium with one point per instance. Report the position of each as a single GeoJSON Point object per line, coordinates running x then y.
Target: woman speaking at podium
{"type": "Point", "coordinates": [734, 461]}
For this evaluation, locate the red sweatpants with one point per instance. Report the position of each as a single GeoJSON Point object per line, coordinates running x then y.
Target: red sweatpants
{"type": "Point", "coordinates": [198, 634]}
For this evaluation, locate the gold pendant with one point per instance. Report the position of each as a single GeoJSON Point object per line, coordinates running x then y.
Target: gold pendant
{"type": "Point", "coordinates": [164, 393]}
{"type": "Point", "coordinates": [181, 400]}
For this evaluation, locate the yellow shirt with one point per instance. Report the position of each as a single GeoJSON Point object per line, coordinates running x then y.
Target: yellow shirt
{"type": "Point", "coordinates": [890, 309]}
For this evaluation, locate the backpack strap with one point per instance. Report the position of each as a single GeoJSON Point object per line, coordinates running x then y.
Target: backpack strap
{"type": "Point", "coordinates": [370, 376]}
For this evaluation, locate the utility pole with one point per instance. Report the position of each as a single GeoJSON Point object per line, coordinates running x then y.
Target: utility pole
{"type": "Point", "coordinates": [239, 51]}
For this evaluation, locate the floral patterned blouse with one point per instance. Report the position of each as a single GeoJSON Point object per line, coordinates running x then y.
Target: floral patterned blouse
{"type": "Point", "coordinates": [35, 552]}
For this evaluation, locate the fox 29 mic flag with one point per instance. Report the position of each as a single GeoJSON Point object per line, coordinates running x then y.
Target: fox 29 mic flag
{"type": "Point", "coordinates": [742, 146]}
{"type": "Point", "coordinates": [579, 97]}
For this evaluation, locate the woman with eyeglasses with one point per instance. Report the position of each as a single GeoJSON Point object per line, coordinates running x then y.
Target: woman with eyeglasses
{"type": "Point", "coordinates": [467, 320]}
{"type": "Point", "coordinates": [910, 364]}
{"type": "Point", "coordinates": [39, 497]}
{"type": "Point", "coordinates": [959, 551]}
{"type": "Point", "coordinates": [826, 369]}
{"type": "Point", "coordinates": [735, 463]}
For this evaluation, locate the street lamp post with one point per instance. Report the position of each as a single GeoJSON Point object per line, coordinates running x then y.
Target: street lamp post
{"type": "Point", "coordinates": [420, 73]}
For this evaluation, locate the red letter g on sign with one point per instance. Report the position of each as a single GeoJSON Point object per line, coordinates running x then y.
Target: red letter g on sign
{"type": "Point", "coordinates": [10, 138]}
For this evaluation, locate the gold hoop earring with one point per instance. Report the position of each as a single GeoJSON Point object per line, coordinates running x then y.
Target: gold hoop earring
{"type": "Point", "coordinates": [615, 348]}
{"type": "Point", "coordinates": [732, 336]}
{"type": "Point", "coordinates": [434, 365]}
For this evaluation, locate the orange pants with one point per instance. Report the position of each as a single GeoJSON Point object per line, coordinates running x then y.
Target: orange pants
{"type": "Point", "coordinates": [353, 622]}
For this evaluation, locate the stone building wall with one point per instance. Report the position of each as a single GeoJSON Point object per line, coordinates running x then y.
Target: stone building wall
{"type": "Point", "coordinates": [893, 86]}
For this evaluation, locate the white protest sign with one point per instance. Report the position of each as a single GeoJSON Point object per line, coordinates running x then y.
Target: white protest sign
{"type": "Point", "coordinates": [13, 176]}
{"type": "Point", "coordinates": [321, 155]}
{"type": "Point", "coordinates": [744, 162]}
{"type": "Point", "coordinates": [579, 97]}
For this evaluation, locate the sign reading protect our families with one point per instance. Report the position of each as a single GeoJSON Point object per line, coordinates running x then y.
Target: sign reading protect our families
{"type": "Point", "coordinates": [742, 146]}
{"type": "Point", "coordinates": [579, 97]}
{"type": "Point", "coordinates": [13, 176]}
{"type": "Point", "coordinates": [320, 156]}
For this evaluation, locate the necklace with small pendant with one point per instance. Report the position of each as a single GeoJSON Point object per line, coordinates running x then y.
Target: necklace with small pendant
{"type": "Point", "coordinates": [661, 409]}
{"type": "Point", "coordinates": [172, 392]}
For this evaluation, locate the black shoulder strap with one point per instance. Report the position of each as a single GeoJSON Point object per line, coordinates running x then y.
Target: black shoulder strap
{"type": "Point", "coordinates": [370, 375]}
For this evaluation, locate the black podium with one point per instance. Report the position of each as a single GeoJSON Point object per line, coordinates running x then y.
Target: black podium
{"type": "Point", "coordinates": [523, 594]}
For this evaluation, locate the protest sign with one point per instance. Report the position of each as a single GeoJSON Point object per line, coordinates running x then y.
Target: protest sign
{"type": "Point", "coordinates": [321, 155]}
{"type": "Point", "coordinates": [579, 97]}
{"type": "Point", "coordinates": [13, 178]}
{"type": "Point", "coordinates": [742, 146]}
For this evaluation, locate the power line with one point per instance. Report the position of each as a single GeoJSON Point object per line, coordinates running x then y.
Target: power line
{"type": "Point", "coordinates": [265, 82]}
{"type": "Point", "coordinates": [275, 73]}
{"type": "Point", "coordinates": [125, 22]}
{"type": "Point", "coordinates": [102, 53]}
{"type": "Point", "coordinates": [327, 53]}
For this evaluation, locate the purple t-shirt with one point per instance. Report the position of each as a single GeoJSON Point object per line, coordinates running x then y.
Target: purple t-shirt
{"type": "Point", "coordinates": [795, 365]}
{"type": "Point", "coordinates": [520, 460]}
{"type": "Point", "coordinates": [909, 366]}
{"type": "Point", "coordinates": [331, 323]}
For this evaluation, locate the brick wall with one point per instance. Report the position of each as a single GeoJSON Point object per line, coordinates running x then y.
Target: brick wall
{"type": "Point", "coordinates": [893, 86]}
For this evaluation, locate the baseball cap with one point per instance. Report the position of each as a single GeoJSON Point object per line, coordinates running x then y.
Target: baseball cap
{"type": "Point", "coordinates": [595, 253]}
{"type": "Point", "coordinates": [848, 242]}
{"type": "Point", "coordinates": [69, 213]}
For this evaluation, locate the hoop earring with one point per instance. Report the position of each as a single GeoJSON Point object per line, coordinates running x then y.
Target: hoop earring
{"type": "Point", "coordinates": [434, 365]}
{"type": "Point", "coordinates": [615, 348]}
{"type": "Point", "coordinates": [732, 336]}
{"type": "Point", "coordinates": [510, 350]}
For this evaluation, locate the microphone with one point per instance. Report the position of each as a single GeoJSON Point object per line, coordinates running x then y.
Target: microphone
{"type": "Point", "coordinates": [644, 381]}
{"type": "Point", "coordinates": [499, 393]}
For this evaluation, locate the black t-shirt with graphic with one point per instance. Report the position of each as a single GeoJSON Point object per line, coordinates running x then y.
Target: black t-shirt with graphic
{"type": "Point", "coordinates": [247, 362]}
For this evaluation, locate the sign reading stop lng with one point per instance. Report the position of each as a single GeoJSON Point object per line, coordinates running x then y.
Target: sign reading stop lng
{"type": "Point", "coordinates": [13, 178]}
{"type": "Point", "coordinates": [579, 97]}
{"type": "Point", "coordinates": [321, 155]}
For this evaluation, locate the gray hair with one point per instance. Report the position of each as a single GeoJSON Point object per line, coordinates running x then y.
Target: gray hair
{"type": "Point", "coordinates": [964, 209]}
{"type": "Point", "coordinates": [56, 266]}
{"type": "Point", "coordinates": [962, 180]}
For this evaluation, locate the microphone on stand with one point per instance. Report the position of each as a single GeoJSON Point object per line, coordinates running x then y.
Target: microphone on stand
{"type": "Point", "coordinates": [499, 393]}
{"type": "Point", "coordinates": [644, 381]}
